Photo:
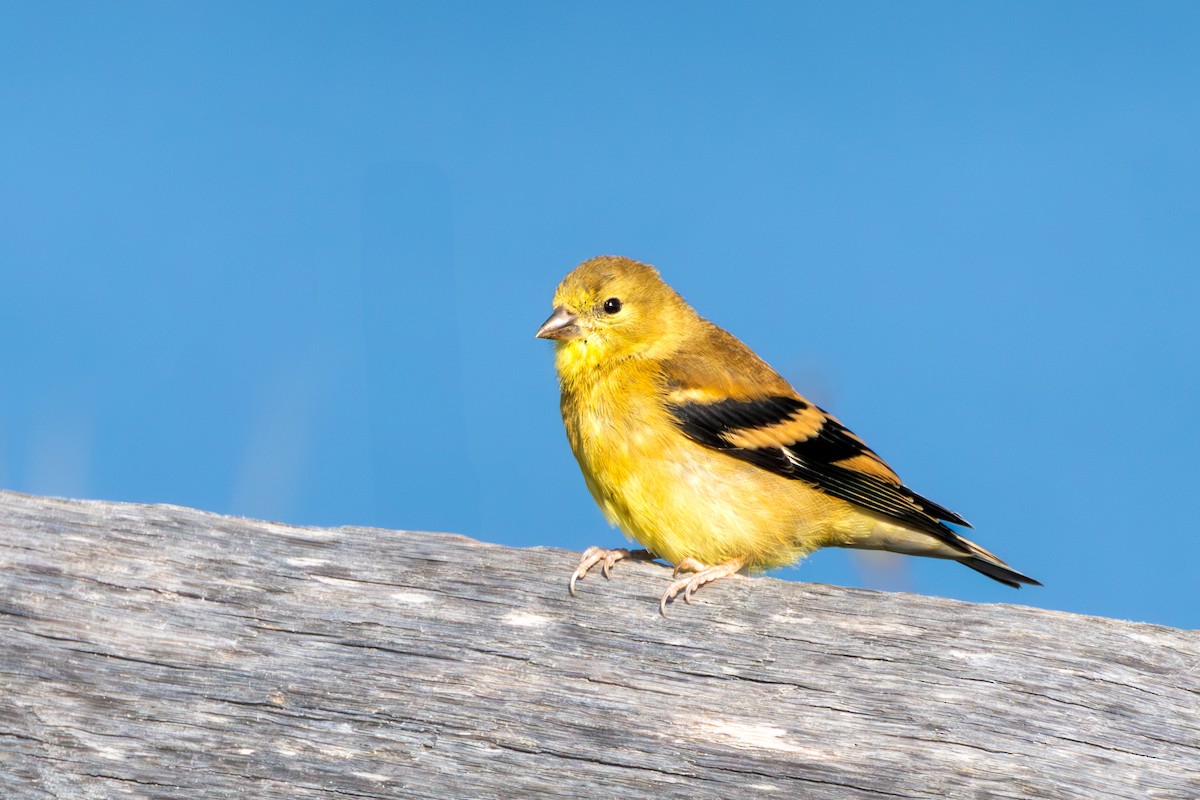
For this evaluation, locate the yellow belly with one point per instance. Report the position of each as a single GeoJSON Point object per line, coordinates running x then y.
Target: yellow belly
{"type": "Point", "coordinates": [680, 499]}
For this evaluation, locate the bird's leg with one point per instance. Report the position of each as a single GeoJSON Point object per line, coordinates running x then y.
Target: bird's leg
{"type": "Point", "coordinates": [595, 555]}
{"type": "Point", "coordinates": [703, 574]}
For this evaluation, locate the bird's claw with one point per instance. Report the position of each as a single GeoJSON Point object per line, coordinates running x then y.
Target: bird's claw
{"type": "Point", "coordinates": [606, 558]}
{"type": "Point", "coordinates": [610, 558]}
{"type": "Point", "coordinates": [688, 564]}
{"type": "Point", "coordinates": [703, 574]}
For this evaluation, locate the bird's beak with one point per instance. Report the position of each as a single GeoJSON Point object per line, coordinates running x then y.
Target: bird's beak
{"type": "Point", "coordinates": [561, 325]}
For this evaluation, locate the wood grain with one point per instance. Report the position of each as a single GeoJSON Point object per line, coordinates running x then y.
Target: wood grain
{"type": "Point", "coordinates": [162, 652]}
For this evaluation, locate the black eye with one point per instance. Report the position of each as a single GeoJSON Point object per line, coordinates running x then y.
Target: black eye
{"type": "Point", "coordinates": [612, 305]}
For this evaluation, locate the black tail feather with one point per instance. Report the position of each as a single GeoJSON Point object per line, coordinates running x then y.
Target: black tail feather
{"type": "Point", "coordinates": [999, 572]}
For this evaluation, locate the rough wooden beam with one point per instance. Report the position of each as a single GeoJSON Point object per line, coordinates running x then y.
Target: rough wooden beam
{"type": "Point", "coordinates": [154, 651]}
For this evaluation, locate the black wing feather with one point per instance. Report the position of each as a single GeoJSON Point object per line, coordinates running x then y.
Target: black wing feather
{"type": "Point", "coordinates": [812, 459]}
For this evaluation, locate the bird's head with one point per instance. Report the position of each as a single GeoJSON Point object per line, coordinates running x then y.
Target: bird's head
{"type": "Point", "coordinates": [611, 308]}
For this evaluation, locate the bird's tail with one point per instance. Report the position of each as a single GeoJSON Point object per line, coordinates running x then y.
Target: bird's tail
{"type": "Point", "coordinates": [997, 570]}
{"type": "Point", "coordinates": [990, 564]}
{"type": "Point", "coordinates": [887, 534]}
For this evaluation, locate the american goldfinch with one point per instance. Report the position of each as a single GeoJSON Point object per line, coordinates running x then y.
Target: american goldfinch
{"type": "Point", "coordinates": [702, 453]}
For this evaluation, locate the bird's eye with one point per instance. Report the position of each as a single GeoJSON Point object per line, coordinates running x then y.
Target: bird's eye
{"type": "Point", "coordinates": [612, 305]}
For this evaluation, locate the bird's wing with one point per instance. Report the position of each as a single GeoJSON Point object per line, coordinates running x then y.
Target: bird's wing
{"type": "Point", "coordinates": [736, 404]}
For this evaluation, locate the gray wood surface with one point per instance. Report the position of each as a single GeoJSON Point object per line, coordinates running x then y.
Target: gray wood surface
{"type": "Point", "coordinates": [154, 651]}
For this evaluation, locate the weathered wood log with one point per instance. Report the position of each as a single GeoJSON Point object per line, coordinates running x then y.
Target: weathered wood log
{"type": "Point", "coordinates": [154, 651]}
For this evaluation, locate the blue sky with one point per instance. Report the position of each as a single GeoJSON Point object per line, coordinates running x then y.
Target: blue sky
{"type": "Point", "coordinates": [286, 259]}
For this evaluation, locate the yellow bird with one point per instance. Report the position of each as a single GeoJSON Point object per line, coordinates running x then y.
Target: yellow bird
{"type": "Point", "coordinates": [702, 453]}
